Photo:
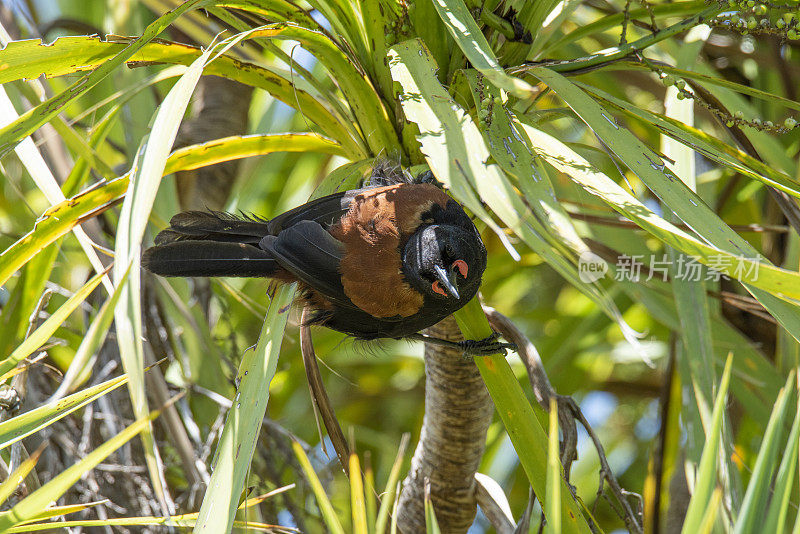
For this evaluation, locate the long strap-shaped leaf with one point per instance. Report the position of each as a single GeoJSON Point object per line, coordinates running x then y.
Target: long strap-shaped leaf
{"type": "Point", "coordinates": [146, 173]}
{"type": "Point", "coordinates": [707, 471]}
{"type": "Point", "coordinates": [59, 219]}
{"type": "Point", "coordinates": [67, 55]}
{"type": "Point", "coordinates": [32, 505]}
{"type": "Point", "coordinates": [443, 142]}
{"type": "Point", "coordinates": [31, 120]}
{"type": "Point", "coordinates": [703, 143]}
{"type": "Point", "coordinates": [239, 435]}
{"type": "Point", "coordinates": [43, 333]}
{"type": "Point", "coordinates": [772, 286]}
{"type": "Point", "coordinates": [548, 230]}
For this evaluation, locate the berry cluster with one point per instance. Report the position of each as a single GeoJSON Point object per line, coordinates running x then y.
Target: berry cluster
{"type": "Point", "coordinates": [760, 18]}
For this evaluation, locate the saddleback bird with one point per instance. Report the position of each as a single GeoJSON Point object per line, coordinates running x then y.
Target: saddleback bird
{"type": "Point", "coordinates": [384, 261]}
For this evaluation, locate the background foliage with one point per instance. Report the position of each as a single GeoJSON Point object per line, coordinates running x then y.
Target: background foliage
{"type": "Point", "coordinates": [608, 130]}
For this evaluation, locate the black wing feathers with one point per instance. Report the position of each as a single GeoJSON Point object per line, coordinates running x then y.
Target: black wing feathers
{"type": "Point", "coordinates": [313, 256]}
{"type": "Point", "coordinates": [324, 211]}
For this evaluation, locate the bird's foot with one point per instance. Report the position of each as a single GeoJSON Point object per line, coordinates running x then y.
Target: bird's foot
{"type": "Point", "coordinates": [486, 346]}
{"type": "Point", "coordinates": [470, 347]}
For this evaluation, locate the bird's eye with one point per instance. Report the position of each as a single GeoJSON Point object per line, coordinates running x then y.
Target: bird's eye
{"type": "Point", "coordinates": [448, 250]}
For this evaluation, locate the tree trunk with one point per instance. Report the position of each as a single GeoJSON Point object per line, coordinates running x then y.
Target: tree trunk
{"type": "Point", "coordinates": [220, 110]}
{"type": "Point", "coordinates": [458, 411]}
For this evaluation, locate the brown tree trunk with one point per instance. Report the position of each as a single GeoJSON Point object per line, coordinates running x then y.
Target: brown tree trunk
{"type": "Point", "coordinates": [220, 110]}
{"type": "Point", "coordinates": [458, 411]}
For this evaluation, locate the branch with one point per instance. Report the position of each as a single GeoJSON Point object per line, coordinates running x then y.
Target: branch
{"type": "Point", "coordinates": [458, 412]}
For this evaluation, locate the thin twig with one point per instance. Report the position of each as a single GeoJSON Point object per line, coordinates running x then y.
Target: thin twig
{"type": "Point", "coordinates": [568, 413]}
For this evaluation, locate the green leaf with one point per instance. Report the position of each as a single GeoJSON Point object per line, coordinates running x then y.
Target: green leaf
{"type": "Point", "coordinates": [25, 424]}
{"type": "Point", "coordinates": [553, 512]}
{"type": "Point", "coordinates": [91, 342]}
{"type": "Point", "coordinates": [619, 52]}
{"type": "Point", "coordinates": [31, 120]}
{"type": "Point", "coordinates": [370, 112]}
{"type": "Point", "coordinates": [32, 505]}
{"type": "Point", "coordinates": [441, 136]}
{"type": "Point", "coordinates": [40, 336]}
{"type": "Point", "coordinates": [703, 143]}
{"type": "Point", "coordinates": [751, 513]}
{"type": "Point", "coordinates": [517, 414]}
{"type": "Point", "coordinates": [180, 521]}
{"type": "Point", "coordinates": [41, 174]}
{"type": "Point", "coordinates": [66, 55]}
{"type": "Point", "coordinates": [325, 506]}
{"type": "Point", "coordinates": [59, 219]}
{"type": "Point", "coordinates": [25, 296]}
{"type": "Point", "coordinates": [469, 38]}
{"type": "Point", "coordinates": [784, 480]}
{"type": "Point", "coordinates": [146, 176]}
{"type": "Point", "coordinates": [10, 484]}
{"type": "Point", "coordinates": [772, 285]}
{"type": "Point", "coordinates": [548, 230]}
{"type": "Point", "coordinates": [431, 524]}
{"type": "Point", "coordinates": [719, 81]}
{"type": "Point", "coordinates": [237, 442]}
{"type": "Point", "coordinates": [237, 147]}
{"type": "Point", "coordinates": [389, 498]}
{"type": "Point", "coordinates": [767, 282]}
{"type": "Point", "coordinates": [236, 445]}
{"type": "Point", "coordinates": [707, 471]}
{"type": "Point", "coordinates": [710, 514]}
{"type": "Point", "coordinates": [358, 507]}
{"type": "Point", "coordinates": [609, 21]}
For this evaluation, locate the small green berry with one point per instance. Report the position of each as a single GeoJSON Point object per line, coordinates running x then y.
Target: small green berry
{"type": "Point", "coordinates": [738, 114]}
{"type": "Point", "coordinates": [751, 3]}
{"type": "Point", "coordinates": [668, 80]}
{"type": "Point", "coordinates": [780, 23]}
{"type": "Point", "coordinates": [760, 9]}
{"type": "Point", "coordinates": [680, 96]}
{"type": "Point", "coordinates": [769, 124]}
{"type": "Point", "coordinates": [790, 123]}
{"type": "Point", "coordinates": [787, 18]}
{"type": "Point", "coordinates": [757, 121]}
{"type": "Point", "coordinates": [792, 34]}
{"type": "Point", "coordinates": [729, 124]}
{"type": "Point", "coordinates": [751, 23]}
{"type": "Point", "coordinates": [680, 84]}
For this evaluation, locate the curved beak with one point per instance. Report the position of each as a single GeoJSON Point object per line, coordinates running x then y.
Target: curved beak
{"type": "Point", "coordinates": [447, 279]}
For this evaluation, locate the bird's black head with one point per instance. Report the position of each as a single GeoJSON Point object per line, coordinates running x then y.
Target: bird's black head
{"type": "Point", "coordinates": [445, 262]}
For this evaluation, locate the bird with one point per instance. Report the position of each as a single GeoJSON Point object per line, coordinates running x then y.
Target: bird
{"type": "Point", "coordinates": [384, 261]}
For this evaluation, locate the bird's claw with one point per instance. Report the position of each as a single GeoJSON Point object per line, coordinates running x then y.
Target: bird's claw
{"type": "Point", "coordinates": [486, 346]}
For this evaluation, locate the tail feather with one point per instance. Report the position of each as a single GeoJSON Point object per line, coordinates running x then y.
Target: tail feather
{"type": "Point", "coordinates": [213, 226]}
{"type": "Point", "coordinates": [189, 257]}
